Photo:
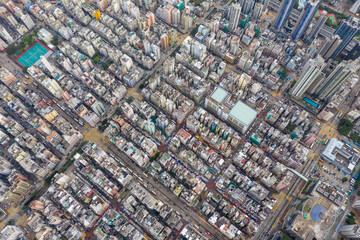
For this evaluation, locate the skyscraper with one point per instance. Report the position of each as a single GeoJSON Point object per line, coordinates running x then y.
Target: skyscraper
{"type": "Point", "coordinates": [305, 19]}
{"type": "Point", "coordinates": [28, 21]}
{"type": "Point", "coordinates": [164, 42]}
{"type": "Point", "coordinates": [333, 82]}
{"type": "Point", "coordinates": [215, 26]}
{"type": "Point", "coordinates": [311, 71]}
{"type": "Point", "coordinates": [284, 13]}
{"type": "Point", "coordinates": [347, 31]}
{"type": "Point", "coordinates": [355, 7]}
{"type": "Point", "coordinates": [175, 19]}
{"type": "Point", "coordinates": [247, 6]}
{"type": "Point", "coordinates": [318, 25]}
{"type": "Point", "coordinates": [235, 12]}
{"type": "Point", "coordinates": [256, 14]}
{"type": "Point", "coordinates": [197, 50]}
{"type": "Point", "coordinates": [266, 4]}
{"type": "Point", "coordinates": [354, 53]}
{"type": "Point", "coordinates": [351, 231]}
{"type": "Point", "coordinates": [330, 46]}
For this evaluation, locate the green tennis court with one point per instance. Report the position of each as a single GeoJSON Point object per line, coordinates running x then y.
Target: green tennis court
{"type": "Point", "coordinates": [32, 55]}
{"type": "Point", "coordinates": [332, 18]}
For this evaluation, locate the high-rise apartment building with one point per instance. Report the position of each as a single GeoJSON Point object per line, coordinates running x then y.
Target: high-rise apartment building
{"type": "Point", "coordinates": [306, 16]}
{"type": "Point", "coordinates": [6, 35]}
{"type": "Point", "coordinates": [247, 6]}
{"type": "Point", "coordinates": [318, 25]}
{"type": "Point", "coordinates": [215, 26]}
{"type": "Point", "coordinates": [175, 18]}
{"type": "Point", "coordinates": [258, 9]}
{"type": "Point", "coordinates": [354, 53]}
{"type": "Point", "coordinates": [351, 231]}
{"type": "Point", "coordinates": [10, 19]}
{"type": "Point", "coordinates": [27, 20]}
{"type": "Point", "coordinates": [330, 46]}
{"type": "Point", "coordinates": [347, 30]}
{"type": "Point", "coordinates": [335, 80]}
{"type": "Point", "coordinates": [164, 42]}
{"type": "Point", "coordinates": [283, 14]}
{"type": "Point", "coordinates": [235, 13]}
{"type": "Point", "coordinates": [355, 7]}
{"type": "Point", "coordinates": [311, 71]}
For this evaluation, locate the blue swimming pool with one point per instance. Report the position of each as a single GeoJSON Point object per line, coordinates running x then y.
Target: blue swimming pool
{"type": "Point", "coordinates": [311, 102]}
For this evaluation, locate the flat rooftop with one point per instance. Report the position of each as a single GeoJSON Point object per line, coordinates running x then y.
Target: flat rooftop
{"type": "Point", "coordinates": [243, 113]}
{"type": "Point", "coordinates": [219, 94]}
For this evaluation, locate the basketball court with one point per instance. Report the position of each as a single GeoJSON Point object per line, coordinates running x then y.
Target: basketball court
{"type": "Point", "coordinates": [32, 54]}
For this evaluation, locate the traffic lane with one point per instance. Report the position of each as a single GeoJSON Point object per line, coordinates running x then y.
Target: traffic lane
{"type": "Point", "coordinates": [42, 91]}
{"type": "Point", "coordinates": [167, 195]}
{"type": "Point", "coordinates": [268, 226]}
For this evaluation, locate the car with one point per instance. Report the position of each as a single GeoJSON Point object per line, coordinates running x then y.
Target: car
{"type": "Point", "coordinates": [208, 233]}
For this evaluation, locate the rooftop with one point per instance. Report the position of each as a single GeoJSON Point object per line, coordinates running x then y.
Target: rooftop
{"type": "Point", "coordinates": [219, 95]}
{"type": "Point", "coordinates": [243, 113]}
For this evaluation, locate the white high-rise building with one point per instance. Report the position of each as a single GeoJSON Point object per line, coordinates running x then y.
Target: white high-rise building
{"type": "Point", "coordinates": [197, 50]}
{"type": "Point", "coordinates": [356, 205]}
{"type": "Point", "coordinates": [215, 26]}
{"type": "Point", "coordinates": [27, 20]}
{"type": "Point", "coordinates": [336, 79]}
{"type": "Point", "coordinates": [175, 18]}
{"type": "Point", "coordinates": [156, 50]}
{"type": "Point", "coordinates": [147, 47]}
{"type": "Point", "coordinates": [351, 231]}
{"type": "Point", "coordinates": [258, 9]}
{"type": "Point", "coordinates": [318, 25]}
{"type": "Point", "coordinates": [10, 18]}
{"type": "Point", "coordinates": [235, 12]}
{"type": "Point", "coordinates": [46, 63]}
{"type": "Point", "coordinates": [355, 7]}
{"type": "Point", "coordinates": [3, 33]}
{"type": "Point", "coordinates": [311, 71]}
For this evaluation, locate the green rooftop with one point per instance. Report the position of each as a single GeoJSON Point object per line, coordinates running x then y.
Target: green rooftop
{"type": "Point", "coordinates": [243, 113]}
{"type": "Point", "coordinates": [219, 95]}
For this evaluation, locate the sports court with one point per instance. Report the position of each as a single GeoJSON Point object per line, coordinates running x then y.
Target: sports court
{"type": "Point", "coordinates": [32, 54]}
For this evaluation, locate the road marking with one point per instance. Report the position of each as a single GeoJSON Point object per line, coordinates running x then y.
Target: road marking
{"type": "Point", "coordinates": [275, 223]}
{"type": "Point", "coordinates": [279, 200]}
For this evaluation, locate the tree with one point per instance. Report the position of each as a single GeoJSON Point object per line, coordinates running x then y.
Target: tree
{"type": "Point", "coordinates": [351, 218]}
{"type": "Point", "coordinates": [11, 49]}
{"type": "Point", "coordinates": [27, 40]}
{"type": "Point", "coordinates": [357, 184]}
{"type": "Point", "coordinates": [97, 60]}
{"type": "Point", "coordinates": [194, 31]}
{"type": "Point", "coordinates": [345, 126]}
{"type": "Point", "coordinates": [354, 137]}
{"type": "Point", "coordinates": [296, 5]}
{"type": "Point", "coordinates": [55, 40]}
{"type": "Point", "coordinates": [105, 65]}
{"type": "Point", "coordinates": [24, 70]}
{"type": "Point", "coordinates": [292, 84]}
{"type": "Point", "coordinates": [345, 179]}
{"type": "Point", "coordinates": [329, 22]}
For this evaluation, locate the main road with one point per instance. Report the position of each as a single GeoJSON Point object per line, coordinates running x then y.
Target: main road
{"type": "Point", "coordinates": [165, 195]}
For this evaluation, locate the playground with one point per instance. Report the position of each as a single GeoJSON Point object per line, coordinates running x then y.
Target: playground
{"type": "Point", "coordinates": [32, 54]}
